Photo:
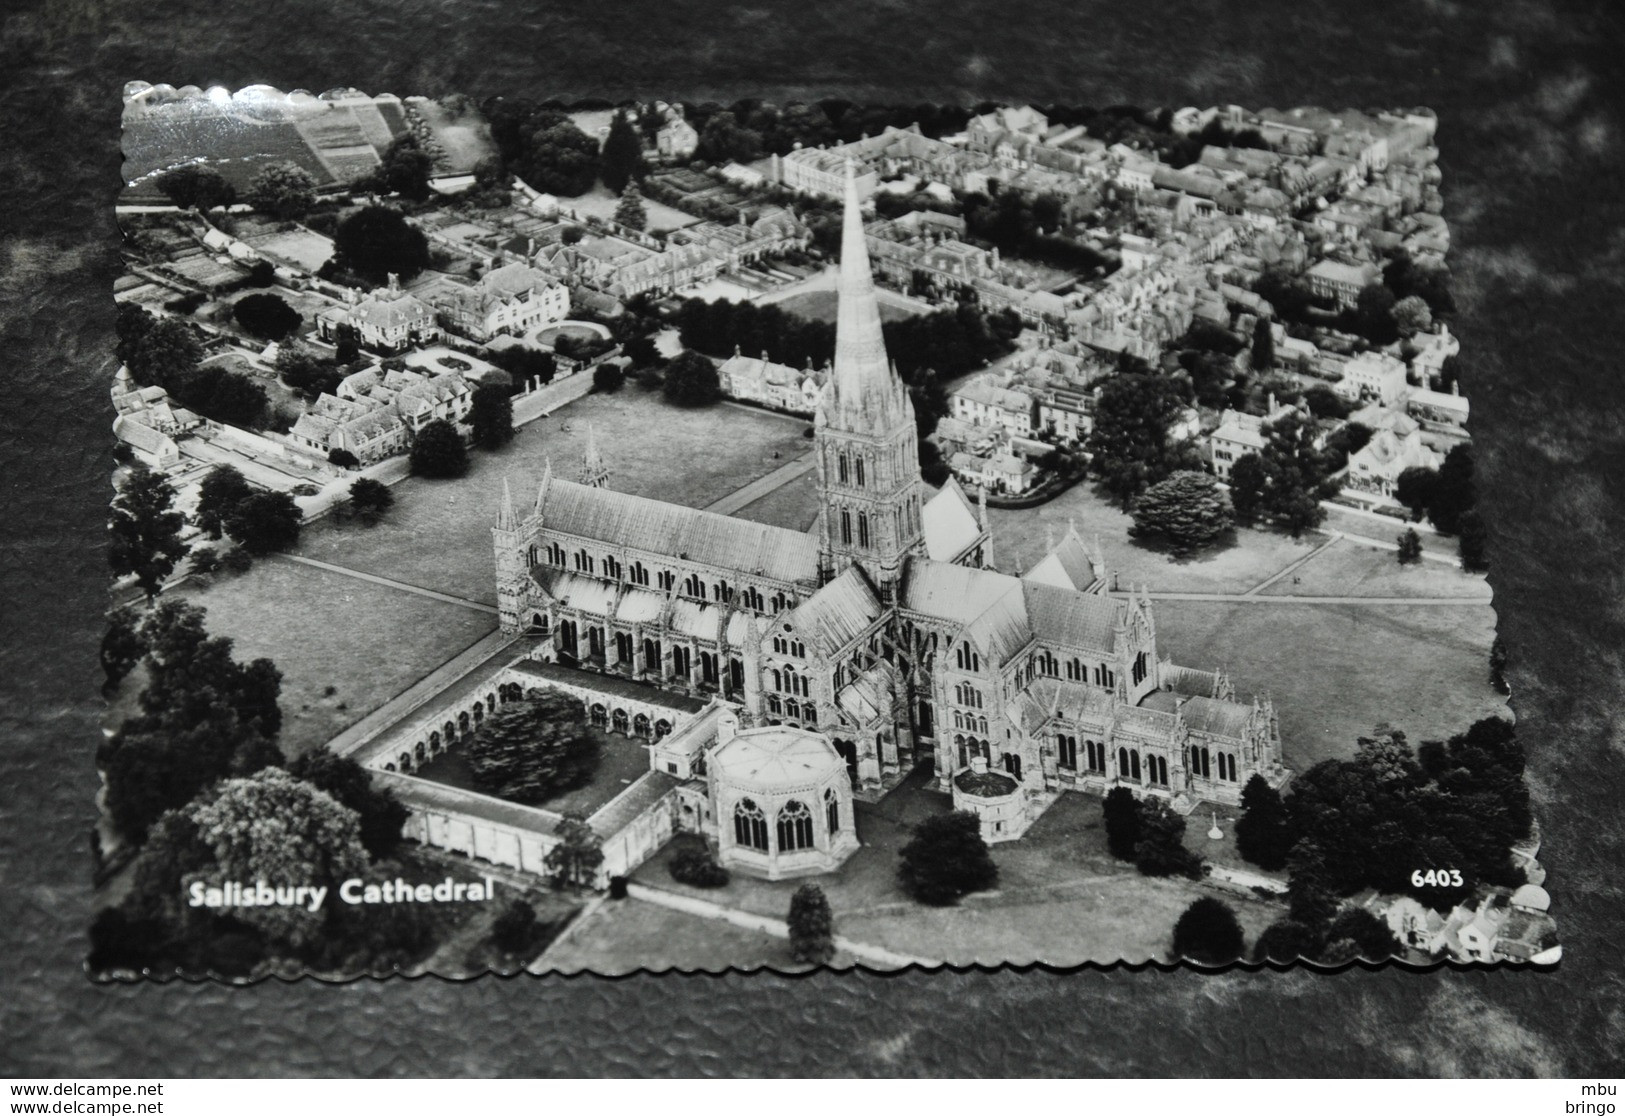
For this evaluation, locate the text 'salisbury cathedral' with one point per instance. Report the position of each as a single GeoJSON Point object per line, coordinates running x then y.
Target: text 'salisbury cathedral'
{"type": "Point", "coordinates": [885, 628]}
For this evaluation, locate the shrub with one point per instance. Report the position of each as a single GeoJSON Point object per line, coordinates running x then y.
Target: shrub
{"type": "Point", "coordinates": [812, 926]}
{"type": "Point", "coordinates": [266, 316]}
{"type": "Point", "coordinates": [1208, 933]}
{"type": "Point", "coordinates": [438, 451]}
{"type": "Point", "coordinates": [343, 458]}
{"type": "Point", "coordinates": [694, 865]}
{"type": "Point", "coordinates": [514, 930]}
{"type": "Point", "coordinates": [608, 378]}
{"type": "Point", "coordinates": [237, 561]}
{"type": "Point", "coordinates": [947, 859]}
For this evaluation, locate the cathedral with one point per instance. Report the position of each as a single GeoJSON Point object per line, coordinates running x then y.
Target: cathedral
{"type": "Point", "coordinates": [886, 628]}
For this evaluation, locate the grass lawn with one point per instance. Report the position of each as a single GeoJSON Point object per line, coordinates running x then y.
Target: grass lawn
{"type": "Point", "coordinates": [322, 630]}
{"type": "Point", "coordinates": [1019, 540]}
{"type": "Point", "coordinates": [1062, 899]}
{"type": "Point", "coordinates": [599, 202]}
{"type": "Point", "coordinates": [1335, 671]}
{"type": "Point", "coordinates": [626, 935]}
{"type": "Point", "coordinates": [1354, 569]}
{"type": "Point", "coordinates": [469, 951]}
{"type": "Point", "coordinates": [794, 505]}
{"type": "Point", "coordinates": [438, 535]}
{"type": "Point", "coordinates": [620, 763]}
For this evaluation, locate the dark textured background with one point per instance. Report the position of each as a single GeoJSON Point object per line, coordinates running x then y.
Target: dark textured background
{"type": "Point", "coordinates": [1529, 101]}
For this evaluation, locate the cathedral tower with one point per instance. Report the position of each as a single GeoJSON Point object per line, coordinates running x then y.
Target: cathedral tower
{"type": "Point", "coordinates": [866, 442]}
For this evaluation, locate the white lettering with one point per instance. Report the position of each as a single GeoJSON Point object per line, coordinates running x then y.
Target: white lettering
{"type": "Point", "coordinates": [196, 892]}
{"type": "Point", "coordinates": [347, 892]}
{"type": "Point", "coordinates": [317, 894]}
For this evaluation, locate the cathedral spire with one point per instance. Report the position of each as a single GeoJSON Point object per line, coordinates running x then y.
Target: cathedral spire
{"type": "Point", "coordinates": [593, 471]}
{"type": "Point", "coordinates": [541, 489]}
{"type": "Point", "coordinates": [506, 520]}
{"type": "Point", "coordinates": [867, 392]}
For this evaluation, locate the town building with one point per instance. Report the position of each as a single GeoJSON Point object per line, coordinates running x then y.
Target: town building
{"type": "Point", "coordinates": [1373, 375]}
{"type": "Point", "coordinates": [375, 413]}
{"type": "Point", "coordinates": [981, 402]}
{"type": "Point", "coordinates": [513, 300]}
{"type": "Point", "coordinates": [388, 320]}
{"type": "Point", "coordinates": [676, 140]}
{"type": "Point", "coordinates": [768, 384]}
{"type": "Point", "coordinates": [1374, 469]}
{"type": "Point", "coordinates": [1341, 282]}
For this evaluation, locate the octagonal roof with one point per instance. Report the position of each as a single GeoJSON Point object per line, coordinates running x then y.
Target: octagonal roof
{"type": "Point", "coordinates": [776, 758]}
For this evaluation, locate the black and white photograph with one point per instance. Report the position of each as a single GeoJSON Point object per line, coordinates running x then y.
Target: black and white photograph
{"type": "Point", "coordinates": [668, 535]}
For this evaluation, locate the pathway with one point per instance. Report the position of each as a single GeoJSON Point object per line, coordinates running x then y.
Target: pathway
{"type": "Point", "coordinates": [762, 486]}
{"type": "Point", "coordinates": [391, 583]}
{"type": "Point", "coordinates": [1291, 566]}
{"type": "Point", "coordinates": [704, 908]}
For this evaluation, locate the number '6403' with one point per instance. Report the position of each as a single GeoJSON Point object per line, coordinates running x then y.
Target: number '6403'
{"type": "Point", "coordinates": [1437, 877]}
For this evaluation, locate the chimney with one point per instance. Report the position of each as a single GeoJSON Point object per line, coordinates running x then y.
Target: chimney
{"type": "Point", "coordinates": [394, 283]}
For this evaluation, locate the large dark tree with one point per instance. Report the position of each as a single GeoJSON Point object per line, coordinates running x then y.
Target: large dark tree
{"type": "Point", "coordinates": [629, 211]}
{"type": "Point", "coordinates": [1286, 942]}
{"type": "Point", "coordinates": [1161, 850]}
{"type": "Point", "coordinates": [1415, 488]}
{"type": "Point", "coordinates": [533, 750]}
{"type": "Point", "coordinates": [1455, 492]}
{"type": "Point", "coordinates": [492, 416]}
{"type": "Point", "coordinates": [405, 169]}
{"type": "Point", "coordinates": [559, 158]}
{"type": "Point", "coordinates": [1296, 474]}
{"type": "Point", "coordinates": [1410, 547]}
{"type": "Point", "coordinates": [438, 452]}
{"type": "Point", "coordinates": [145, 529]}
{"type": "Point", "coordinates": [265, 522]}
{"type": "Point", "coordinates": [196, 186]}
{"type": "Point", "coordinates": [266, 316]}
{"type": "Point", "coordinates": [122, 646]}
{"type": "Point", "coordinates": [1356, 932]}
{"type": "Point", "coordinates": [1189, 510]}
{"type": "Point", "coordinates": [621, 160]}
{"type": "Point", "coordinates": [1121, 813]}
{"type": "Point", "coordinates": [724, 140]}
{"type": "Point", "coordinates": [692, 380]}
{"type": "Point", "coordinates": [946, 860]}
{"type": "Point", "coordinates": [307, 373]}
{"type": "Point", "coordinates": [1249, 483]}
{"type": "Point", "coordinates": [132, 324]}
{"type": "Point", "coordinates": [1263, 835]}
{"type": "Point", "coordinates": [376, 242]}
{"type": "Point", "coordinates": [381, 815]}
{"type": "Point", "coordinates": [1471, 544]}
{"type": "Point", "coordinates": [282, 190]}
{"type": "Point", "coordinates": [1263, 346]}
{"type": "Point", "coordinates": [219, 493]}
{"type": "Point", "coordinates": [812, 926]}
{"type": "Point", "coordinates": [370, 499]}
{"type": "Point", "coordinates": [579, 853]}
{"type": "Point", "coordinates": [166, 353]}
{"type": "Point", "coordinates": [1131, 444]}
{"type": "Point", "coordinates": [1208, 933]}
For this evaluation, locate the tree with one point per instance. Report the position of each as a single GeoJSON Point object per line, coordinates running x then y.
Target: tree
{"type": "Point", "coordinates": [1286, 942]}
{"type": "Point", "coordinates": [166, 353]}
{"type": "Point", "coordinates": [219, 493]}
{"type": "Point", "coordinates": [282, 190]}
{"type": "Point", "coordinates": [575, 859]}
{"type": "Point", "coordinates": [1499, 660]}
{"type": "Point", "coordinates": [947, 859]}
{"type": "Point", "coordinates": [1131, 444]}
{"type": "Point", "coordinates": [1189, 509]}
{"type": "Point", "coordinates": [532, 750]}
{"type": "Point", "coordinates": [145, 529]}
{"type": "Point", "coordinates": [1263, 835]}
{"type": "Point", "coordinates": [560, 158]}
{"type": "Point", "coordinates": [1161, 850]}
{"type": "Point", "coordinates": [380, 816]}
{"type": "Point", "coordinates": [376, 242]}
{"type": "Point", "coordinates": [132, 324]}
{"type": "Point", "coordinates": [1208, 933]}
{"type": "Point", "coordinates": [370, 499]}
{"type": "Point", "coordinates": [693, 864]}
{"type": "Point", "coordinates": [343, 458]}
{"type": "Point", "coordinates": [621, 161]}
{"type": "Point", "coordinates": [405, 169]}
{"type": "Point", "coordinates": [1248, 485]}
{"type": "Point", "coordinates": [1455, 492]}
{"type": "Point", "coordinates": [1121, 815]}
{"type": "Point", "coordinates": [1295, 473]}
{"type": "Point", "coordinates": [492, 416]}
{"type": "Point", "coordinates": [1412, 315]}
{"type": "Point", "coordinates": [266, 316]}
{"type": "Point", "coordinates": [263, 522]}
{"type": "Point", "coordinates": [196, 186]}
{"type": "Point", "coordinates": [514, 930]}
{"type": "Point", "coordinates": [1410, 547]}
{"type": "Point", "coordinates": [1325, 403]}
{"type": "Point", "coordinates": [275, 828]}
{"type": "Point", "coordinates": [608, 377]}
{"type": "Point", "coordinates": [1415, 487]}
{"type": "Point", "coordinates": [1263, 346]}
{"type": "Point", "coordinates": [1372, 315]}
{"type": "Point", "coordinates": [629, 210]}
{"type": "Point", "coordinates": [1367, 936]}
{"type": "Point", "coordinates": [437, 451]}
{"type": "Point", "coordinates": [722, 140]}
{"type": "Point", "coordinates": [812, 926]}
{"type": "Point", "coordinates": [692, 380]}
{"type": "Point", "coordinates": [1473, 536]}
{"type": "Point", "coordinates": [122, 646]}
{"type": "Point", "coordinates": [307, 373]}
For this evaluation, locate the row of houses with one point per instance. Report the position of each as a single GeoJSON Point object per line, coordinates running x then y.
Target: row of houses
{"type": "Point", "coordinates": [511, 300]}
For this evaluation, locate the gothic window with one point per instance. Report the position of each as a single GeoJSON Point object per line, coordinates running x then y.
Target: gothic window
{"type": "Point", "coordinates": [667, 580]}
{"type": "Point", "coordinates": [795, 826]}
{"type": "Point", "coordinates": [651, 654]}
{"type": "Point", "coordinates": [1046, 665]}
{"type": "Point", "coordinates": [1067, 751]}
{"type": "Point", "coordinates": [555, 554]}
{"type": "Point", "coordinates": [780, 602]}
{"type": "Point", "coordinates": [967, 658]}
{"type": "Point", "coordinates": [708, 667]}
{"type": "Point", "coordinates": [846, 527]}
{"type": "Point", "coordinates": [1122, 763]}
{"type": "Point", "coordinates": [612, 568]}
{"type": "Point", "coordinates": [1074, 670]}
{"type": "Point", "coordinates": [1201, 763]}
{"type": "Point", "coordinates": [798, 649]}
{"type": "Point", "coordinates": [681, 661]}
{"type": "Point", "coordinates": [1227, 766]}
{"type": "Point", "coordinates": [639, 573]}
{"type": "Point", "coordinates": [736, 673]}
{"type": "Point", "coordinates": [809, 714]}
{"type": "Point", "coordinates": [751, 598]}
{"type": "Point", "coordinates": [584, 561]}
{"type": "Point", "coordinates": [792, 708]}
{"type": "Point", "coordinates": [859, 464]}
{"type": "Point", "coordinates": [1157, 770]}
{"type": "Point", "coordinates": [863, 529]}
{"type": "Point", "coordinates": [832, 811]}
{"type": "Point", "coordinates": [750, 825]}
{"type": "Point", "coordinates": [778, 645]}
{"type": "Point", "coordinates": [533, 557]}
{"type": "Point", "coordinates": [721, 591]}
{"type": "Point", "coordinates": [694, 586]}
{"type": "Point", "coordinates": [1138, 673]}
{"type": "Point", "coordinates": [775, 704]}
{"type": "Point", "coordinates": [841, 467]}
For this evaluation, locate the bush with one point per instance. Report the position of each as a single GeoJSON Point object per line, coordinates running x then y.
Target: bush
{"type": "Point", "coordinates": [370, 499]}
{"type": "Point", "coordinates": [812, 926]}
{"type": "Point", "coordinates": [237, 561]}
{"type": "Point", "coordinates": [947, 859]}
{"type": "Point", "coordinates": [343, 458]}
{"type": "Point", "coordinates": [608, 378]}
{"type": "Point", "coordinates": [530, 751]}
{"type": "Point", "coordinates": [514, 930]}
{"type": "Point", "coordinates": [1121, 814]}
{"type": "Point", "coordinates": [694, 865]}
{"type": "Point", "coordinates": [617, 887]}
{"type": "Point", "coordinates": [692, 381]}
{"type": "Point", "coordinates": [1208, 933]}
{"type": "Point", "coordinates": [438, 451]}
{"type": "Point", "coordinates": [266, 316]}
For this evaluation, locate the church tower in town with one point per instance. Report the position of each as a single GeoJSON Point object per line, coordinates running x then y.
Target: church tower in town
{"type": "Point", "coordinates": [866, 442]}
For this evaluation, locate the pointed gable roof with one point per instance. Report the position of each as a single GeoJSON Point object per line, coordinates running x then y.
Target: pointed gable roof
{"type": "Point", "coordinates": [948, 521]}
{"type": "Point", "coordinates": [1067, 565]}
{"type": "Point", "coordinates": [838, 613]}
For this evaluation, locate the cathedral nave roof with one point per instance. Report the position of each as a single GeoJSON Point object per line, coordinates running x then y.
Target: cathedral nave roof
{"type": "Point", "coordinates": [838, 613]}
{"type": "Point", "coordinates": [948, 522]}
{"type": "Point", "coordinates": [1207, 715]}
